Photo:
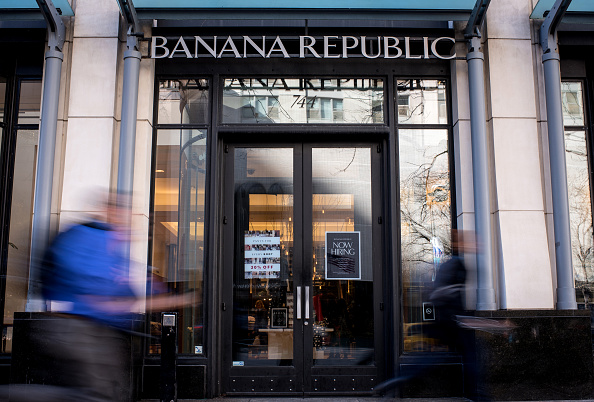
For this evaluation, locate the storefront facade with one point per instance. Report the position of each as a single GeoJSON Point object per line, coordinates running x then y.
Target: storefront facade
{"type": "Point", "coordinates": [298, 149]}
{"type": "Point", "coordinates": [299, 174]}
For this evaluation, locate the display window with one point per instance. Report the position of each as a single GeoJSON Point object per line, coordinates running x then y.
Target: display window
{"type": "Point", "coordinates": [19, 146]}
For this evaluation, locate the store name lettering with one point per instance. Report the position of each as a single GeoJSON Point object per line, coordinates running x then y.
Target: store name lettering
{"type": "Point", "coordinates": [328, 47]}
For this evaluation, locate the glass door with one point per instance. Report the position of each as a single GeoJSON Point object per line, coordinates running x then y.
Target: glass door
{"type": "Point", "coordinates": [262, 250]}
{"type": "Point", "coordinates": [302, 269]}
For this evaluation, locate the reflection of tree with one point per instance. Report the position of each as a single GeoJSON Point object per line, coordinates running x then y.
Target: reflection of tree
{"type": "Point", "coordinates": [425, 213]}
{"type": "Point", "coordinates": [364, 107]}
{"type": "Point", "coordinates": [422, 100]}
{"type": "Point", "coordinates": [425, 209]}
{"type": "Point", "coordinates": [580, 215]}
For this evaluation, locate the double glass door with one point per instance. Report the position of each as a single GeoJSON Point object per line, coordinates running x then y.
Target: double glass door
{"type": "Point", "coordinates": [302, 253]}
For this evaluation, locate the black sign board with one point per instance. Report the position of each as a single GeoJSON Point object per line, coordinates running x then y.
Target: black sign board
{"type": "Point", "coordinates": [428, 312]}
{"type": "Point", "coordinates": [343, 255]}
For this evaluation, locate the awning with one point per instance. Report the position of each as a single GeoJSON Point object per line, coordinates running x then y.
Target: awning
{"type": "Point", "coordinates": [579, 11]}
{"type": "Point", "coordinates": [419, 5]}
{"type": "Point", "coordinates": [451, 10]}
{"type": "Point", "coordinates": [29, 8]}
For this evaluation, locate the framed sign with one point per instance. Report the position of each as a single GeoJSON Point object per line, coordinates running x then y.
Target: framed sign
{"type": "Point", "coordinates": [262, 254]}
{"type": "Point", "coordinates": [279, 318]}
{"type": "Point", "coordinates": [343, 255]}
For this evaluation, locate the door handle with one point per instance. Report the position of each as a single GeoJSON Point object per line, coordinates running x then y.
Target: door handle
{"type": "Point", "coordinates": [298, 302]}
{"type": "Point", "coordinates": [307, 302]}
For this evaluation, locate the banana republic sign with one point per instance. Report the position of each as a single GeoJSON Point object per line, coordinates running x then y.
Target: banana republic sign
{"type": "Point", "coordinates": [326, 47]}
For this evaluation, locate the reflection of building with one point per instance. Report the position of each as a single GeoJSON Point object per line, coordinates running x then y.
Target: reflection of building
{"type": "Point", "coordinates": [311, 101]}
{"type": "Point", "coordinates": [366, 130]}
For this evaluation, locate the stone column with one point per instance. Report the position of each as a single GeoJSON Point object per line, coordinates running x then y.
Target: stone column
{"type": "Point", "coordinates": [92, 108]}
{"type": "Point", "coordinates": [524, 264]}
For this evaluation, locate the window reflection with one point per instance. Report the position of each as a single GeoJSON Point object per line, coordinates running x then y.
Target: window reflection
{"type": "Point", "coordinates": [580, 212]}
{"type": "Point", "coordinates": [178, 230]}
{"type": "Point", "coordinates": [301, 100]}
{"type": "Point", "coordinates": [425, 226]}
{"type": "Point", "coordinates": [183, 101]}
{"type": "Point", "coordinates": [263, 291]}
{"type": "Point", "coordinates": [2, 105]}
{"type": "Point", "coordinates": [579, 191]}
{"type": "Point", "coordinates": [29, 102]}
{"type": "Point", "coordinates": [21, 212]}
{"type": "Point", "coordinates": [343, 328]}
{"type": "Point", "coordinates": [422, 102]}
{"type": "Point", "coordinates": [2, 97]}
{"type": "Point", "coordinates": [572, 101]}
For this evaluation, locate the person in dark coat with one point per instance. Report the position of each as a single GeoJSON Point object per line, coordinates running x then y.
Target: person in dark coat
{"type": "Point", "coordinates": [448, 300]}
{"type": "Point", "coordinates": [448, 294]}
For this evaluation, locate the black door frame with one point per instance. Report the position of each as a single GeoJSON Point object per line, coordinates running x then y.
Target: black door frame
{"type": "Point", "coordinates": [303, 378]}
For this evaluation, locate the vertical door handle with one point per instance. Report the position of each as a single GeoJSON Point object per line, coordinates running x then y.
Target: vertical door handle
{"type": "Point", "coordinates": [307, 302]}
{"type": "Point", "coordinates": [298, 302]}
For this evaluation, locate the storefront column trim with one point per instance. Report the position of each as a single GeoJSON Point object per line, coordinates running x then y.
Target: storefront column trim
{"type": "Point", "coordinates": [480, 159]}
{"type": "Point", "coordinates": [128, 126]}
{"type": "Point", "coordinates": [552, 79]}
{"type": "Point", "coordinates": [132, 56]}
{"type": "Point", "coordinates": [40, 233]}
{"type": "Point", "coordinates": [129, 102]}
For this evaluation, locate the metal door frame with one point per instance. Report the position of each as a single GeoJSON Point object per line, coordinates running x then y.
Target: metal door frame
{"type": "Point", "coordinates": [304, 378]}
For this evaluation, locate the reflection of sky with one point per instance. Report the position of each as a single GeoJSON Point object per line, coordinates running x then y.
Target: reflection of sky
{"type": "Point", "coordinates": [422, 102]}
{"type": "Point", "coordinates": [573, 105]}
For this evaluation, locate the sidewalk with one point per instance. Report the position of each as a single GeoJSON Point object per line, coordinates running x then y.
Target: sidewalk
{"type": "Point", "coordinates": [344, 399]}
{"type": "Point", "coordinates": [337, 398]}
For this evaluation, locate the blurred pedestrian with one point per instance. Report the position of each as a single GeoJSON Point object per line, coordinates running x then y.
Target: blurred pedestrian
{"type": "Point", "coordinates": [448, 299]}
{"type": "Point", "coordinates": [83, 354]}
{"type": "Point", "coordinates": [87, 287]}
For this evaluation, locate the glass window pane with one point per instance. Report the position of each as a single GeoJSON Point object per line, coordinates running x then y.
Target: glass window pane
{"type": "Point", "coordinates": [29, 102]}
{"type": "Point", "coordinates": [301, 100]}
{"type": "Point", "coordinates": [263, 291]}
{"type": "Point", "coordinates": [2, 97]}
{"type": "Point", "coordinates": [425, 225]}
{"type": "Point", "coordinates": [19, 239]}
{"type": "Point", "coordinates": [580, 214]}
{"type": "Point", "coordinates": [343, 332]}
{"type": "Point", "coordinates": [573, 103]}
{"type": "Point", "coordinates": [422, 102]}
{"type": "Point", "coordinates": [183, 102]}
{"type": "Point", "coordinates": [178, 231]}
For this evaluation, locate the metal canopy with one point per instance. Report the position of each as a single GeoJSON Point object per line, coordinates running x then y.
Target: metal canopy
{"type": "Point", "coordinates": [17, 6]}
{"type": "Point", "coordinates": [451, 10]}
{"type": "Point", "coordinates": [579, 11]}
{"type": "Point", "coordinates": [419, 5]}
